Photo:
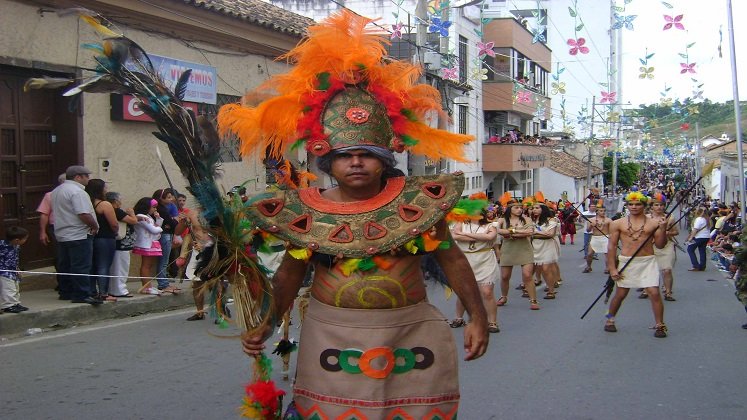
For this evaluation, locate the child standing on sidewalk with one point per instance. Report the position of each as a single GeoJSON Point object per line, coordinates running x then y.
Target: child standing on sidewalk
{"type": "Point", "coordinates": [10, 251]}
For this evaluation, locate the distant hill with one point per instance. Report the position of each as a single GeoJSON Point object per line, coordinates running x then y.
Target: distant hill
{"type": "Point", "coordinates": [666, 121]}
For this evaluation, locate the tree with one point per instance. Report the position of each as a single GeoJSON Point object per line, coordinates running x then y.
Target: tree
{"type": "Point", "coordinates": [627, 172]}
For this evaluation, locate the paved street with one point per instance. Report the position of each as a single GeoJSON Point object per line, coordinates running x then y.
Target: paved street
{"type": "Point", "coordinates": [544, 364]}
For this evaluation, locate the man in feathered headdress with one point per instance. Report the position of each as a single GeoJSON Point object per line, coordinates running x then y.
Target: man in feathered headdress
{"type": "Point", "coordinates": [370, 342]}
{"type": "Point", "coordinates": [642, 271]}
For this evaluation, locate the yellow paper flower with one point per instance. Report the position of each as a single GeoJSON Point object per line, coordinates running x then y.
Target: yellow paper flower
{"type": "Point", "coordinates": [636, 196]}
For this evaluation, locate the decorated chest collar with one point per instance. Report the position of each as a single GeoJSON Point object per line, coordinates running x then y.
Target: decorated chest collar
{"type": "Point", "coordinates": [405, 209]}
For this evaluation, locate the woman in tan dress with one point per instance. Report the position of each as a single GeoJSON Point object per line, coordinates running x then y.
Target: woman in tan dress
{"type": "Point", "coordinates": [546, 249]}
{"type": "Point", "coordinates": [476, 240]}
{"type": "Point", "coordinates": [516, 230]}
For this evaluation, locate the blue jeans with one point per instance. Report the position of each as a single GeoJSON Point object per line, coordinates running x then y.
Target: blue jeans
{"type": "Point", "coordinates": [699, 243]}
{"type": "Point", "coordinates": [163, 260]}
{"type": "Point", "coordinates": [587, 239]}
{"type": "Point", "coordinates": [103, 255]}
{"type": "Point", "coordinates": [75, 257]}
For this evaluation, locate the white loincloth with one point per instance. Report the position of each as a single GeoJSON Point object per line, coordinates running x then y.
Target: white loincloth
{"type": "Point", "coordinates": [666, 256]}
{"type": "Point", "coordinates": [599, 244]}
{"type": "Point", "coordinates": [641, 272]}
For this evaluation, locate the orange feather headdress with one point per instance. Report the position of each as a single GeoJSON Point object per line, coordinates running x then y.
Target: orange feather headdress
{"type": "Point", "coordinates": [343, 92]}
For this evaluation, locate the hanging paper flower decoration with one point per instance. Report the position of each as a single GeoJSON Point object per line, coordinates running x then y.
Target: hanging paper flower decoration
{"type": "Point", "coordinates": [608, 97]}
{"type": "Point", "coordinates": [479, 73]}
{"type": "Point", "coordinates": [665, 102]}
{"type": "Point", "coordinates": [613, 116]}
{"type": "Point", "coordinates": [606, 143]}
{"type": "Point", "coordinates": [673, 21]}
{"type": "Point", "coordinates": [538, 34]}
{"type": "Point", "coordinates": [558, 87]}
{"type": "Point", "coordinates": [577, 46]}
{"type": "Point", "coordinates": [442, 27]}
{"type": "Point", "coordinates": [687, 68]}
{"type": "Point", "coordinates": [524, 96]}
{"type": "Point", "coordinates": [646, 73]}
{"type": "Point", "coordinates": [693, 110]}
{"type": "Point", "coordinates": [485, 48]}
{"type": "Point", "coordinates": [397, 30]}
{"type": "Point", "coordinates": [685, 127]}
{"type": "Point", "coordinates": [450, 73]}
{"type": "Point", "coordinates": [697, 94]}
{"type": "Point", "coordinates": [624, 21]}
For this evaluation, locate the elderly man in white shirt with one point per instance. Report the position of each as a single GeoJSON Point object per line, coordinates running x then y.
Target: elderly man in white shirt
{"type": "Point", "coordinates": [74, 227]}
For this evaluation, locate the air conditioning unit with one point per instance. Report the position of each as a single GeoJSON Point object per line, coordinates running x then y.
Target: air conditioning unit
{"type": "Point", "coordinates": [432, 60]}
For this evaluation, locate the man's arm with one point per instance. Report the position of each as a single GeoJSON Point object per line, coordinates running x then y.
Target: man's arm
{"type": "Point", "coordinates": [43, 223]}
{"type": "Point", "coordinates": [90, 221]}
{"type": "Point", "coordinates": [286, 283]}
{"type": "Point", "coordinates": [660, 234]}
{"type": "Point", "coordinates": [462, 280]}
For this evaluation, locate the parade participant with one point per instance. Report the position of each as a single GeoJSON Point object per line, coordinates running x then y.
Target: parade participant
{"type": "Point", "coordinates": [642, 271]}
{"type": "Point", "coordinates": [568, 216]}
{"type": "Point", "coordinates": [666, 256]}
{"type": "Point", "coordinates": [590, 212]}
{"type": "Point", "coordinates": [740, 278]}
{"type": "Point", "coordinates": [599, 228]}
{"type": "Point", "coordinates": [546, 249]}
{"type": "Point", "coordinates": [370, 343]}
{"type": "Point", "coordinates": [516, 230]}
{"type": "Point", "coordinates": [476, 240]}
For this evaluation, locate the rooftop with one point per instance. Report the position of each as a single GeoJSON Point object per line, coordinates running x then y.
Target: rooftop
{"type": "Point", "coordinates": [566, 164]}
{"type": "Point", "coordinates": [258, 13]}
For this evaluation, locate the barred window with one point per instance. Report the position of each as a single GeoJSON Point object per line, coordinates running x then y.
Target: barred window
{"type": "Point", "coordinates": [462, 119]}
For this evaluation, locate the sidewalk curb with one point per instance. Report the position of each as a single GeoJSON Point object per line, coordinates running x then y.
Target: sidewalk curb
{"type": "Point", "coordinates": [69, 315]}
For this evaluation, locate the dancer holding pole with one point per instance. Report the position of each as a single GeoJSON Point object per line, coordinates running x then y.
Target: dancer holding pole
{"type": "Point", "coordinates": [634, 232]}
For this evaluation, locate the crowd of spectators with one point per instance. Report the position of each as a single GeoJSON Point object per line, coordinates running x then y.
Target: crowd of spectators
{"type": "Point", "coordinates": [94, 235]}
{"type": "Point", "coordinates": [516, 137]}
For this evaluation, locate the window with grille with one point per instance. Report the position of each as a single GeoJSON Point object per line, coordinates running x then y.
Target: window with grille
{"type": "Point", "coordinates": [462, 59]}
{"type": "Point", "coordinates": [462, 119]}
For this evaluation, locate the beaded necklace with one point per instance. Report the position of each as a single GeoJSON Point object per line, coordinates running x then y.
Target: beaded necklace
{"type": "Point", "coordinates": [635, 234]}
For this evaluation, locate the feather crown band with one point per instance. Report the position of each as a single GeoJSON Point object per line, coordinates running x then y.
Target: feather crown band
{"type": "Point", "coordinates": [659, 197]}
{"type": "Point", "coordinates": [636, 196]}
{"type": "Point", "coordinates": [343, 92]}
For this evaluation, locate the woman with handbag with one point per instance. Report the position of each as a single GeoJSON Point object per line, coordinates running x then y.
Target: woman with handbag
{"type": "Point", "coordinates": [125, 241]}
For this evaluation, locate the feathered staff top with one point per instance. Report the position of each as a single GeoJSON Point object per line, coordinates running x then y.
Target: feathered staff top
{"type": "Point", "coordinates": [341, 92]}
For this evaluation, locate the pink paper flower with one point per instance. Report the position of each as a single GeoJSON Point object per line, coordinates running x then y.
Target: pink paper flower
{"type": "Point", "coordinates": [673, 21]}
{"type": "Point", "coordinates": [577, 46]}
{"type": "Point", "coordinates": [687, 68]}
{"type": "Point", "coordinates": [485, 48]}
{"type": "Point", "coordinates": [608, 97]}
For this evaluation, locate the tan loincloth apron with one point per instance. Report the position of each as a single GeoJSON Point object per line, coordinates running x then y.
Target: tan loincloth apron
{"type": "Point", "coordinates": [376, 363]}
{"type": "Point", "coordinates": [666, 256]}
{"type": "Point", "coordinates": [599, 244]}
{"type": "Point", "coordinates": [641, 272]}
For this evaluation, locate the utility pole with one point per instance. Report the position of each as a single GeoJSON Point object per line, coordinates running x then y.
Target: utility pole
{"type": "Point", "coordinates": [737, 112]}
{"type": "Point", "coordinates": [588, 146]}
{"type": "Point", "coordinates": [421, 32]}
